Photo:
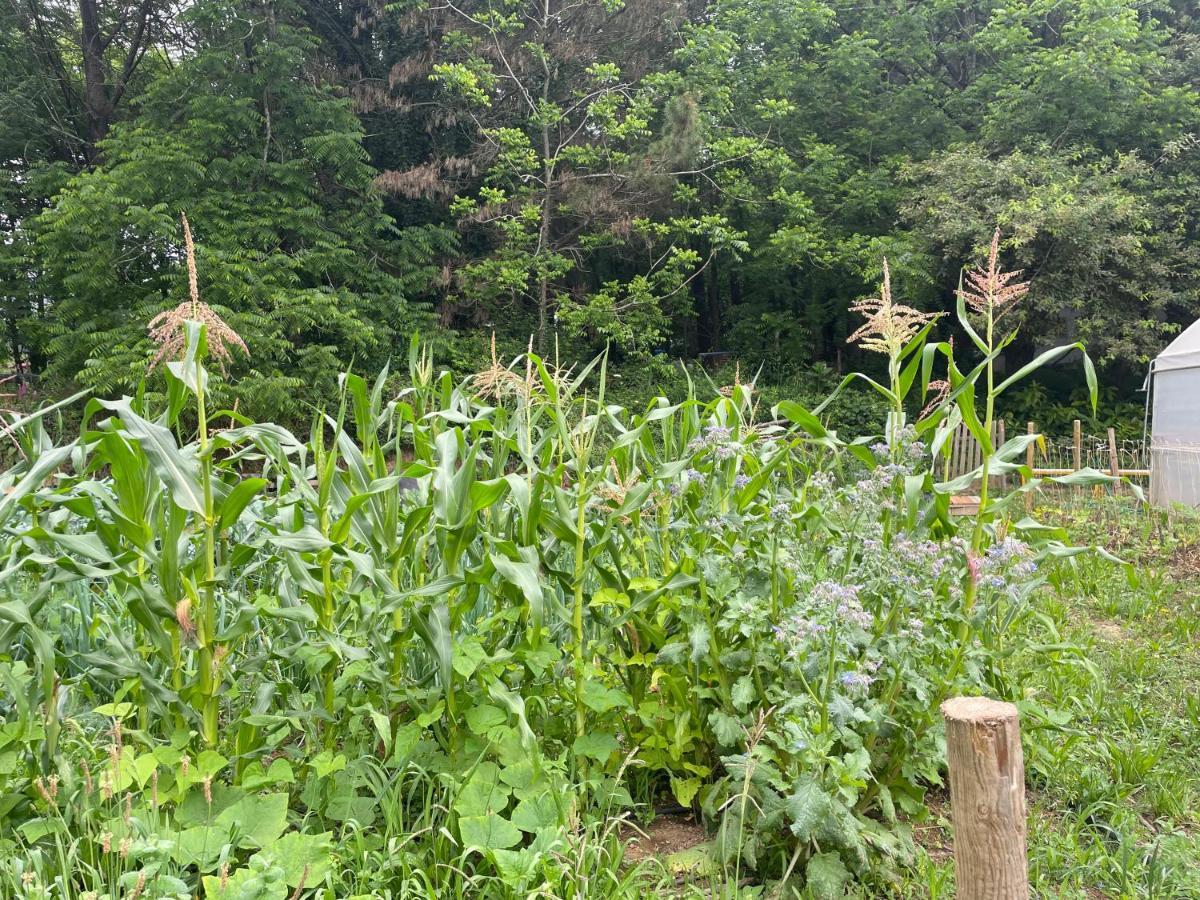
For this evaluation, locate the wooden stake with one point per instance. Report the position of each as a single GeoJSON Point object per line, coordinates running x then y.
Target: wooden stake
{"type": "Point", "coordinates": [1114, 461]}
{"type": "Point", "coordinates": [987, 798]}
{"type": "Point", "coordinates": [1029, 429]}
{"type": "Point", "coordinates": [1078, 448]}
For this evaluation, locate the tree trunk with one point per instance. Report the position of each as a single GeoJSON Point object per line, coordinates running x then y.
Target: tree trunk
{"type": "Point", "coordinates": [95, 94]}
{"type": "Point", "coordinates": [14, 342]}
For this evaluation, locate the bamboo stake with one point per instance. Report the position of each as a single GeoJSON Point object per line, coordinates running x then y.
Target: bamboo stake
{"type": "Point", "coordinates": [1127, 473]}
{"type": "Point", "coordinates": [987, 798]}
{"type": "Point", "coordinates": [1114, 462]}
{"type": "Point", "coordinates": [1029, 429]}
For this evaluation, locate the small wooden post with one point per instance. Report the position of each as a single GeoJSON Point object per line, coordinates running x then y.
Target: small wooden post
{"type": "Point", "coordinates": [1029, 429]}
{"type": "Point", "coordinates": [987, 798]}
{"type": "Point", "coordinates": [997, 442]}
{"type": "Point", "coordinates": [1078, 448]}
{"type": "Point", "coordinates": [1114, 461]}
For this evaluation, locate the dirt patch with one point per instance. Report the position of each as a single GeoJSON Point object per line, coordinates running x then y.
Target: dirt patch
{"type": "Point", "coordinates": [933, 835]}
{"type": "Point", "coordinates": [1109, 631]}
{"type": "Point", "coordinates": [665, 835]}
{"type": "Point", "coordinates": [1186, 560]}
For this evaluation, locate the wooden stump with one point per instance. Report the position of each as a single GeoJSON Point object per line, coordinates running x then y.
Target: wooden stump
{"type": "Point", "coordinates": [1114, 460]}
{"type": "Point", "coordinates": [987, 798]}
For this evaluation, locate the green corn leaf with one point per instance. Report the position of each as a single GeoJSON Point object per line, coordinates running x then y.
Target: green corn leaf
{"type": "Point", "coordinates": [231, 508]}
{"type": "Point", "coordinates": [178, 472]}
{"type": "Point", "coordinates": [798, 415]}
{"type": "Point", "coordinates": [39, 471]}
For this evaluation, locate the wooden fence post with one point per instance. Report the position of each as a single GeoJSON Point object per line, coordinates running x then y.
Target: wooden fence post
{"type": "Point", "coordinates": [1077, 449]}
{"type": "Point", "coordinates": [987, 798]}
{"type": "Point", "coordinates": [1114, 461]}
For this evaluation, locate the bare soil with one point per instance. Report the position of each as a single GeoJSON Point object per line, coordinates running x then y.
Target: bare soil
{"type": "Point", "coordinates": [665, 835]}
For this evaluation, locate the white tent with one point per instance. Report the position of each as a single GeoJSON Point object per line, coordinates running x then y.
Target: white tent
{"type": "Point", "coordinates": [1175, 430]}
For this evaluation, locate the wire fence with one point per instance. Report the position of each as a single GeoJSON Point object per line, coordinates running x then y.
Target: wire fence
{"type": "Point", "coordinates": [1094, 452]}
{"type": "Point", "coordinates": [1057, 455]}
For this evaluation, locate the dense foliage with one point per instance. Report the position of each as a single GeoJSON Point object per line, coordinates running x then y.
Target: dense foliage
{"type": "Point", "coordinates": [670, 177]}
{"type": "Point", "coordinates": [440, 645]}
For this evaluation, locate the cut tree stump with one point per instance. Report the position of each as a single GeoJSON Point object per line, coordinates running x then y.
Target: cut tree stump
{"type": "Point", "coordinates": [987, 798]}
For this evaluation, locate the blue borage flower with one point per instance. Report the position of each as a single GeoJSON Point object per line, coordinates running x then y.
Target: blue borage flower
{"type": "Point", "coordinates": [855, 680]}
{"type": "Point", "coordinates": [843, 599]}
{"type": "Point", "coordinates": [1007, 563]}
{"type": "Point", "coordinates": [820, 481]}
{"type": "Point", "coordinates": [713, 436]}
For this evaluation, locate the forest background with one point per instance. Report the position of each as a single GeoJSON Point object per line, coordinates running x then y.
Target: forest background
{"type": "Point", "coordinates": [712, 181]}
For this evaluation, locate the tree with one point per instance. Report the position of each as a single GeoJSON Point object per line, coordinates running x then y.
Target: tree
{"type": "Point", "coordinates": [268, 164]}
{"type": "Point", "coordinates": [69, 69]}
{"type": "Point", "coordinates": [569, 199]}
{"type": "Point", "coordinates": [851, 131]}
{"type": "Point", "coordinates": [1110, 239]}
{"type": "Point", "coordinates": [75, 63]}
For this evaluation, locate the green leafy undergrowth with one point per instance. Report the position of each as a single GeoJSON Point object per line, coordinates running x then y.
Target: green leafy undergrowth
{"type": "Point", "coordinates": [1112, 737]}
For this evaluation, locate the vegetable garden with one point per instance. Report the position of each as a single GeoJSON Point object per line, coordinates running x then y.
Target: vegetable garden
{"type": "Point", "coordinates": [459, 638]}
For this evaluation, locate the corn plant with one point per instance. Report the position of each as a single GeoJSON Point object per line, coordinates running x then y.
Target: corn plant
{"type": "Point", "coordinates": [533, 608]}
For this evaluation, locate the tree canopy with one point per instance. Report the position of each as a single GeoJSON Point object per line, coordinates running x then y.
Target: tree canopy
{"type": "Point", "coordinates": [667, 178]}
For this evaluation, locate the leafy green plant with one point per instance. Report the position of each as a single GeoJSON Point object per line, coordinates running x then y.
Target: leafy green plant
{"type": "Point", "coordinates": [493, 616]}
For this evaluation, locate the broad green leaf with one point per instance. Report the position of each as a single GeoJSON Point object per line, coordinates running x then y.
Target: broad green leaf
{"type": "Point", "coordinates": [240, 884]}
{"type": "Point", "coordinates": [483, 794]}
{"type": "Point", "coordinates": [327, 763]}
{"type": "Point", "coordinates": [827, 876]}
{"type": "Point", "coordinates": [596, 745]}
{"type": "Point", "coordinates": [726, 728]}
{"type": "Point", "coordinates": [696, 862]}
{"type": "Point", "coordinates": [258, 819]}
{"type": "Point", "coordinates": [601, 698]}
{"type": "Point", "coordinates": [483, 717]}
{"type": "Point", "coordinates": [808, 806]}
{"type": "Point", "coordinates": [524, 575]}
{"type": "Point", "coordinates": [798, 415]}
{"type": "Point", "coordinates": [301, 855]}
{"type": "Point", "coordinates": [201, 846]}
{"type": "Point", "coordinates": [468, 654]}
{"type": "Point", "coordinates": [42, 467]}
{"type": "Point", "coordinates": [685, 790]}
{"type": "Point", "coordinates": [180, 473]}
{"type": "Point", "coordinates": [235, 502]}
{"type": "Point", "coordinates": [516, 867]}
{"type": "Point", "coordinates": [490, 832]}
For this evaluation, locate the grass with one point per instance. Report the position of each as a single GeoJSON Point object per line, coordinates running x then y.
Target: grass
{"type": "Point", "coordinates": [1113, 774]}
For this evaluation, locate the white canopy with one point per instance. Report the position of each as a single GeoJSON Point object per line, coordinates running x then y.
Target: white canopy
{"type": "Point", "coordinates": [1175, 431]}
{"type": "Point", "coordinates": [1181, 353]}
